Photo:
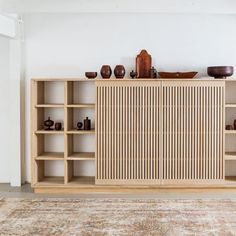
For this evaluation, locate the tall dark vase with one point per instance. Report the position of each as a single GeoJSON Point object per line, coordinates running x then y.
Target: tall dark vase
{"type": "Point", "coordinates": [106, 72]}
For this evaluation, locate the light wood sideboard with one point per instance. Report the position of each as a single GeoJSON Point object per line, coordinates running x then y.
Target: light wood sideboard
{"type": "Point", "coordinates": [166, 132]}
{"type": "Point", "coordinates": [148, 134]}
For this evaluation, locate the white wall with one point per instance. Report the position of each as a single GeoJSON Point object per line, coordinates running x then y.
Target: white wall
{"type": "Point", "coordinates": [5, 110]}
{"type": "Point", "coordinates": [118, 6]}
{"type": "Point", "coordinates": [64, 45]}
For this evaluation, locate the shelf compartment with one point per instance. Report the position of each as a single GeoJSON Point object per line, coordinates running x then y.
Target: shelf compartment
{"type": "Point", "coordinates": [56, 113]}
{"type": "Point", "coordinates": [86, 156]}
{"type": "Point", "coordinates": [78, 114]}
{"type": "Point", "coordinates": [50, 92]}
{"type": "Point", "coordinates": [49, 147]}
{"type": "Point", "coordinates": [82, 105]}
{"type": "Point", "coordinates": [49, 172]}
{"type": "Point", "coordinates": [50, 156]}
{"type": "Point", "coordinates": [76, 169]}
{"type": "Point", "coordinates": [79, 92]}
{"type": "Point", "coordinates": [49, 105]}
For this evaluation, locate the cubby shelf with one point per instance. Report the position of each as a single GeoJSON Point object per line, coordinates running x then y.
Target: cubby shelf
{"type": "Point", "coordinates": [82, 156]}
{"type": "Point", "coordinates": [56, 153]}
{"type": "Point", "coordinates": [49, 132]}
{"type": "Point", "coordinates": [230, 131]}
{"type": "Point", "coordinates": [50, 156]}
{"type": "Point", "coordinates": [49, 105]}
{"type": "Point", "coordinates": [85, 105]}
{"type": "Point", "coordinates": [75, 131]}
{"type": "Point", "coordinates": [230, 156]}
{"type": "Point", "coordinates": [230, 105]}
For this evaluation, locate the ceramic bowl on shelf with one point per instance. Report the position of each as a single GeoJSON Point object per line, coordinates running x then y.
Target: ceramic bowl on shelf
{"type": "Point", "coordinates": [220, 72]}
{"type": "Point", "coordinates": [91, 75]}
{"type": "Point", "coordinates": [177, 75]}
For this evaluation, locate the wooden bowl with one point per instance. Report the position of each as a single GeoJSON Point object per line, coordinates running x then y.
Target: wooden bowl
{"type": "Point", "coordinates": [177, 75]}
{"type": "Point", "coordinates": [220, 72]}
{"type": "Point", "coordinates": [91, 75]}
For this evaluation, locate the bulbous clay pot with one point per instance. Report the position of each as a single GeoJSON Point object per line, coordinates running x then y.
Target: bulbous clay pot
{"type": "Point", "coordinates": [119, 71]}
{"type": "Point", "coordinates": [106, 71]}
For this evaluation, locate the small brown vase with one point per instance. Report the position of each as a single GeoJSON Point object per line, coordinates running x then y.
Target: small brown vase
{"type": "Point", "coordinates": [58, 126]}
{"type": "Point", "coordinates": [106, 72]}
{"type": "Point", "coordinates": [229, 127]}
{"type": "Point", "coordinates": [119, 71]}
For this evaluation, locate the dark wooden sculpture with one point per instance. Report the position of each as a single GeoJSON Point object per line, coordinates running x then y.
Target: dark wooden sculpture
{"type": "Point", "coordinates": [143, 64]}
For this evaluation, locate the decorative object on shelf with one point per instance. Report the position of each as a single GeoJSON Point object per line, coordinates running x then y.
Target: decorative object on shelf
{"type": "Point", "coordinates": [229, 127]}
{"type": "Point", "coordinates": [234, 124]}
{"type": "Point", "coordinates": [87, 124]}
{"type": "Point", "coordinates": [79, 125]}
{"type": "Point", "coordinates": [106, 72]}
{"type": "Point", "coordinates": [153, 73]}
{"type": "Point", "coordinates": [58, 126]}
{"type": "Point", "coordinates": [48, 124]}
{"type": "Point", "coordinates": [119, 71]}
{"type": "Point", "coordinates": [133, 74]}
{"type": "Point", "coordinates": [91, 75]}
{"type": "Point", "coordinates": [177, 75]}
{"type": "Point", "coordinates": [220, 72]}
{"type": "Point", "coordinates": [143, 64]}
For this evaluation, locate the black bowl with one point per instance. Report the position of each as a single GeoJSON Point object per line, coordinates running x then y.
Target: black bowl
{"type": "Point", "coordinates": [220, 72]}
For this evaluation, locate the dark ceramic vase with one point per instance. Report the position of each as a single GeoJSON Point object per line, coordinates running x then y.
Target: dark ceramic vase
{"type": "Point", "coordinates": [106, 71]}
{"type": "Point", "coordinates": [58, 126]}
{"type": "Point", "coordinates": [48, 124]}
{"type": "Point", "coordinates": [133, 74]}
{"type": "Point", "coordinates": [119, 71]}
{"type": "Point", "coordinates": [87, 124]}
{"type": "Point", "coordinates": [79, 125]}
{"type": "Point", "coordinates": [229, 127]}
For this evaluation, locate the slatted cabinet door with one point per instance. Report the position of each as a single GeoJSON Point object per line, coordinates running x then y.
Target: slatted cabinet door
{"type": "Point", "coordinates": [193, 131]}
{"type": "Point", "coordinates": [128, 124]}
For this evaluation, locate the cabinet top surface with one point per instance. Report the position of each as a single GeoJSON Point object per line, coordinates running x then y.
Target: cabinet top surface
{"type": "Point", "coordinates": [129, 79]}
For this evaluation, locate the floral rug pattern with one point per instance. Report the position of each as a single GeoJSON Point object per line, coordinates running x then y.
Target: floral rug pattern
{"type": "Point", "coordinates": [138, 217]}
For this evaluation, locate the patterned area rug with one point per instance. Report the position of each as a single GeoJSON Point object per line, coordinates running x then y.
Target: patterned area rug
{"type": "Point", "coordinates": [98, 217]}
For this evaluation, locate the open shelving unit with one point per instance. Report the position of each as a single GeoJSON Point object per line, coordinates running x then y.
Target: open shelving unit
{"type": "Point", "coordinates": [59, 156]}
{"type": "Point", "coordinates": [230, 135]}
{"type": "Point", "coordinates": [65, 160]}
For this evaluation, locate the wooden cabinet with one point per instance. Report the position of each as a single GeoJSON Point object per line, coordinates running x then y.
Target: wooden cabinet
{"type": "Point", "coordinates": [153, 132]}
{"type": "Point", "coordinates": [128, 132]}
{"type": "Point", "coordinates": [193, 131]}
